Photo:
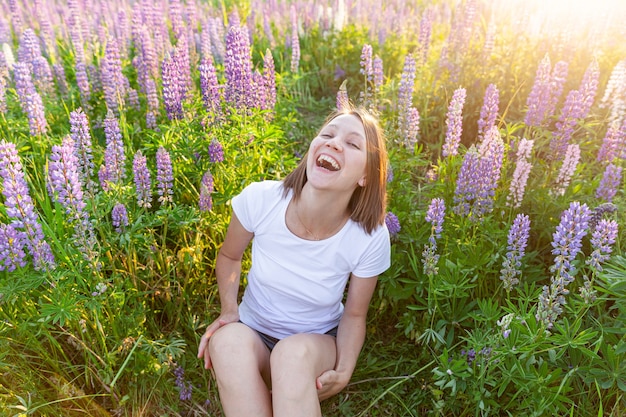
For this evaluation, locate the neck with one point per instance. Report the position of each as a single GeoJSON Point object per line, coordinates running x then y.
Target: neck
{"type": "Point", "coordinates": [317, 216]}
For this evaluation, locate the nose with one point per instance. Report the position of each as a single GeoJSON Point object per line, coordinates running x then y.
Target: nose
{"type": "Point", "coordinates": [334, 143]}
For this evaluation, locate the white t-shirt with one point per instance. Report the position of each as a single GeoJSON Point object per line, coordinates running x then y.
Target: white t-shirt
{"type": "Point", "coordinates": [296, 285]}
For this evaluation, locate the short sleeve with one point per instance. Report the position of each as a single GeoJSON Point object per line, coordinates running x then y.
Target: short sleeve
{"type": "Point", "coordinates": [254, 201]}
{"type": "Point", "coordinates": [376, 259]}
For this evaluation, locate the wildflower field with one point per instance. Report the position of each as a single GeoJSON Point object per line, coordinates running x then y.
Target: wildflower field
{"type": "Point", "coordinates": [127, 126]}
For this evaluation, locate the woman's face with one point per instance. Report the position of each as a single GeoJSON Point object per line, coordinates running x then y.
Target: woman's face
{"type": "Point", "coordinates": [338, 155]}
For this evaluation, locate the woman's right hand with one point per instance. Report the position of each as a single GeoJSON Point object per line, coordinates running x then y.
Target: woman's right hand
{"type": "Point", "coordinates": [203, 348]}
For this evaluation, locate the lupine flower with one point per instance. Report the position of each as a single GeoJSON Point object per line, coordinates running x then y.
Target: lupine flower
{"type": "Point", "coordinates": [20, 208]}
{"type": "Point", "coordinates": [565, 125]}
{"type": "Point", "coordinates": [602, 240]}
{"type": "Point", "coordinates": [567, 242]}
{"type": "Point", "coordinates": [598, 213]}
{"type": "Point", "coordinates": [216, 151]}
{"type": "Point", "coordinates": [343, 101]}
{"type": "Point", "coordinates": [42, 75]}
{"type": "Point", "coordinates": [12, 242]}
{"type": "Point", "coordinates": [367, 70]}
{"type": "Point", "coordinates": [589, 87]}
{"type": "Point", "coordinates": [103, 177]}
{"type": "Point", "coordinates": [269, 77]}
{"type": "Point", "coordinates": [65, 183]}
{"type": "Point", "coordinates": [101, 288]}
{"type": "Point", "coordinates": [392, 223]}
{"type": "Point", "coordinates": [218, 47]}
{"type": "Point", "coordinates": [164, 176]}
{"type": "Point", "coordinates": [82, 81]}
{"type": "Point", "coordinates": [610, 182]}
{"type": "Point", "coordinates": [426, 25]}
{"type": "Point", "coordinates": [377, 68]}
{"type": "Point", "coordinates": [559, 76]}
{"type": "Point", "coordinates": [79, 131]}
{"type": "Point", "coordinates": [339, 72]}
{"type": "Point", "coordinates": [504, 324]}
{"type": "Point", "coordinates": [29, 48]}
{"type": "Point", "coordinates": [454, 123]}
{"type": "Point", "coordinates": [61, 79]}
{"type": "Point", "coordinates": [114, 156]}
{"type": "Point", "coordinates": [468, 182]}
{"type": "Point", "coordinates": [412, 126]}
{"type": "Point", "coordinates": [30, 99]}
{"type": "Point", "coordinates": [119, 217]}
{"type": "Point", "coordinates": [405, 92]}
{"type": "Point", "coordinates": [587, 292]}
{"type": "Point", "coordinates": [517, 241]}
{"type": "Point", "coordinates": [153, 104]}
{"type": "Point", "coordinates": [615, 92]}
{"type": "Point", "coordinates": [238, 68]}
{"type": "Point", "coordinates": [142, 180]}
{"type": "Point", "coordinates": [209, 86]}
{"type": "Point", "coordinates": [489, 111]}
{"type": "Point", "coordinates": [539, 95]}
{"type": "Point", "coordinates": [614, 142]}
{"type": "Point", "coordinates": [435, 216]}
{"type": "Point", "coordinates": [184, 387]}
{"type": "Point", "coordinates": [521, 173]}
{"type": "Point", "coordinates": [172, 88]}
{"type": "Point", "coordinates": [206, 189]}
{"type": "Point", "coordinates": [295, 41]}
{"type": "Point", "coordinates": [572, 156]}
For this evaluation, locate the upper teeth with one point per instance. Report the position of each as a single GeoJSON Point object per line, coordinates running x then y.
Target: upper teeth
{"type": "Point", "coordinates": [330, 160]}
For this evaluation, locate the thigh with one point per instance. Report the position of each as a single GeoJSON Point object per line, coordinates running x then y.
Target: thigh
{"type": "Point", "coordinates": [237, 349]}
{"type": "Point", "coordinates": [309, 354]}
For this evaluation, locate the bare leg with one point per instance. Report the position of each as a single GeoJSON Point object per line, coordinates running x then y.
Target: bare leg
{"type": "Point", "coordinates": [241, 364]}
{"type": "Point", "coordinates": [296, 362]}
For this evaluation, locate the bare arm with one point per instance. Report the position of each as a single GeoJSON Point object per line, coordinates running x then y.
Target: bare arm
{"type": "Point", "coordinates": [228, 273]}
{"type": "Point", "coordinates": [350, 336]}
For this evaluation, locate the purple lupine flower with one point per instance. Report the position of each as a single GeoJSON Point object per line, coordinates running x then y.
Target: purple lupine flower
{"type": "Point", "coordinates": [567, 242]}
{"type": "Point", "coordinates": [218, 47]}
{"type": "Point", "coordinates": [29, 48]}
{"type": "Point", "coordinates": [23, 82]}
{"type": "Point", "coordinates": [205, 42]}
{"type": "Point", "coordinates": [295, 41]}
{"type": "Point", "coordinates": [12, 243]}
{"type": "Point", "coordinates": [238, 68]}
{"type": "Point", "coordinates": [205, 201]}
{"type": "Point", "coordinates": [42, 75]}
{"type": "Point", "coordinates": [389, 173]}
{"type": "Point", "coordinates": [602, 239]}
{"type": "Point", "coordinates": [339, 72]}
{"type": "Point", "coordinates": [20, 208]}
{"type": "Point", "coordinates": [114, 156]}
{"type": "Point", "coordinates": [405, 92]}
{"type": "Point", "coordinates": [343, 101]}
{"type": "Point", "coordinates": [521, 173]}
{"type": "Point", "coordinates": [468, 182]}
{"type": "Point", "coordinates": [30, 99]}
{"type": "Point", "coordinates": [589, 87]}
{"type": "Point", "coordinates": [392, 223]}
{"type": "Point", "coordinates": [172, 88]}
{"type": "Point", "coordinates": [615, 92]}
{"type": "Point", "coordinates": [599, 212]}
{"type": "Point", "coordinates": [367, 69]}
{"type": "Point", "coordinates": [216, 151]}
{"type": "Point", "coordinates": [568, 119]}
{"type": "Point", "coordinates": [103, 177]}
{"type": "Point", "coordinates": [79, 131]}
{"type": "Point", "coordinates": [426, 27]}
{"type": "Point", "coordinates": [82, 81]}
{"type": "Point", "coordinates": [454, 123]}
{"type": "Point", "coordinates": [559, 76]}
{"type": "Point", "coordinates": [435, 216]}
{"type": "Point", "coordinates": [4, 80]}
{"type": "Point", "coordinates": [412, 126]}
{"type": "Point", "coordinates": [142, 180]}
{"type": "Point", "coordinates": [184, 387]}
{"type": "Point", "coordinates": [269, 81]}
{"type": "Point", "coordinates": [610, 182]}
{"type": "Point", "coordinates": [209, 86]}
{"type": "Point", "coordinates": [614, 142]}
{"type": "Point", "coordinates": [539, 95]}
{"type": "Point", "coordinates": [489, 111]}
{"type": "Point", "coordinates": [61, 79]}
{"type": "Point", "coordinates": [153, 104]}
{"type": "Point", "coordinates": [377, 68]}
{"type": "Point", "coordinates": [517, 241]}
{"type": "Point", "coordinates": [63, 172]}
{"type": "Point", "coordinates": [164, 176]}
{"type": "Point", "coordinates": [572, 156]}
{"type": "Point", "coordinates": [119, 217]}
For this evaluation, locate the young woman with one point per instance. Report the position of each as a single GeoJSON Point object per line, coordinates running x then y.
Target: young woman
{"type": "Point", "coordinates": [291, 342]}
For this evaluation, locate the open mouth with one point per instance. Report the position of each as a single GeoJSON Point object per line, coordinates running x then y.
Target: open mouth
{"type": "Point", "coordinates": [326, 162]}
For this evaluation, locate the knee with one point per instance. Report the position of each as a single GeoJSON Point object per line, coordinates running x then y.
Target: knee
{"type": "Point", "coordinates": [227, 341]}
{"type": "Point", "coordinates": [292, 352]}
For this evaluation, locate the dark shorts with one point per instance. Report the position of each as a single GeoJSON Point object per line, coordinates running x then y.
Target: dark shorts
{"type": "Point", "coordinates": [270, 341]}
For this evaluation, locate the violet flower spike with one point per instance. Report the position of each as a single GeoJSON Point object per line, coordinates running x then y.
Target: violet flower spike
{"type": "Point", "coordinates": [454, 123]}
{"type": "Point", "coordinates": [610, 183]}
{"type": "Point", "coordinates": [12, 243]}
{"type": "Point", "coordinates": [602, 240]}
{"type": "Point", "coordinates": [114, 157]}
{"type": "Point", "coordinates": [142, 180]}
{"type": "Point", "coordinates": [393, 224]}
{"type": "Point", "coordinates": [206, 189]}
{"type": "Point", "coordinates": [517, 241]}
{"type": "Point", "coordinates": [119, 217]}
{"type": "Point", "coordinates": [164, 176]}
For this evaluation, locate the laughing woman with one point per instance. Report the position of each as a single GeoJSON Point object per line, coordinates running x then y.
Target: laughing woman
{"type": "Point", "coordinates": [291, 342]}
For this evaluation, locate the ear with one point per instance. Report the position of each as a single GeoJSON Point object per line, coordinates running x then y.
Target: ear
{"type": "Point", "coordinates": [362, 182]}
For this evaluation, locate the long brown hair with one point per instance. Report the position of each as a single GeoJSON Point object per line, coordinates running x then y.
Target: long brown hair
{"type": "Point", "coordinates": [368, 203]}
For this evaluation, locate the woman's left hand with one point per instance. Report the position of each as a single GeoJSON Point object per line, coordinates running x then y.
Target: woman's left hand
{"type": "Point", "coordinates": [330, 383]}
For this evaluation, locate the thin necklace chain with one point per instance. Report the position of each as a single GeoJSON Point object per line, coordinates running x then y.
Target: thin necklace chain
{"type": "Point", "coordinates": [307, 229]}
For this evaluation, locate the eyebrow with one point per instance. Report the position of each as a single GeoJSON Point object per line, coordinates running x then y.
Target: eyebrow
{"type": "Point", "coordinates": [352, 133]}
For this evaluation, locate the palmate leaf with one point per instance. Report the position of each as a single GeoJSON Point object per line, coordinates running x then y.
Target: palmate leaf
{"type": "Point", "coordinates": [61, 308]}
